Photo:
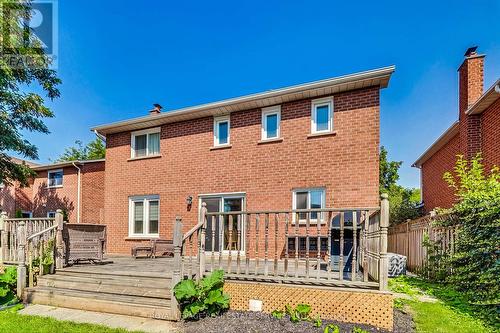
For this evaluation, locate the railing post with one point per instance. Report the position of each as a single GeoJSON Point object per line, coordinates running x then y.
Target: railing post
{"type": "Point", "coordinates": [21, 266]}
{"type": "Point", "coordinates": [201, 243]}
{"type": "Point", "coordinates": [384, 224]}
{"type": "Point", "coordinates": [59, 239]}
{"type": "Point", "coordinates": [3, 237]}
{"type": "Point", "coordinates": [177, 274]}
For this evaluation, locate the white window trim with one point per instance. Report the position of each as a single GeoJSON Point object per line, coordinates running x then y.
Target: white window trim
{"type": "Point", "coordinates": [317, 103]}
{"type": "Point", "coordinates": [309, 189]}
{"type": "Point", "coordinates": [51, 212]}
{"type": "Point", "coordinates": [143, 132]}
{"type": "Point", "coordinates": [218, 120]}
{"type": "Point", "coordinates": [30, 213]}
{"type": "Point", "coordinates": [48, 178]}
{"type": "Point", "coordinates": [145, 199]}
{"type": "Point", "coordinates": [267, 112]}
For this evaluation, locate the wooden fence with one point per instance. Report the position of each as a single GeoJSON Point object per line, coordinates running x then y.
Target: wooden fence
{"type": "Point", "coordinates": [408, 239]}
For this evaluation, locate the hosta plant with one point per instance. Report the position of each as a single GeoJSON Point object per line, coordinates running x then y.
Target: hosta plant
{"type": "Point", "coordinates": [8, 279]}
{"type": "Point", "coordinates": [205, 298]}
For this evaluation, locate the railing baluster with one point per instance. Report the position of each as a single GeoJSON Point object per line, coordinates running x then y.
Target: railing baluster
{"type": "Point", "coordinates": [329, 245]}
{"type": "Point", "coordinates": [318, 245]}
{"type": "Point", "coordinates": [238, 244]}
{"type": "Point", "coordinates": [31, 279]}
{"type": "Point", "coordinates": [212, 259]}
{"type": "Point", "coordinates": [221, 237]}
{"type": "Point", "coordinates": [40, 254]}
{"type": "Point", "coordinates": [286, 245]}
{"type": "Point", "coordinates": [354, 260]}
{"type": "Point", "coordinates": [341, 245]}
{"type": "Point", "coordinates": [308, 222]}
{"type": "Point", "coordinates": [229, 243]}
{"type": "Point", "coordinates": [365, 246]}
{"type": "Point", "coordinates": [276, 217]}
{"type": "Point", "coordinates": [247, 244]}
{"type": "Point", "coordinates": [296, 231]}
{"type": "Point", "coordinates": [257, 240]}
{"type": "Point", "coordinates": [266, 243]}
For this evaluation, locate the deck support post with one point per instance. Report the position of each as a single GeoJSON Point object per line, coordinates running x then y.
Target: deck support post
{"type": "Point", "coordinates": [384, 225]}
{"type": "Point", "coordinates": [177, 274]}
{"type": "Point", "coordinates": [59, 239]}
{"type": "Point", "coordinates": [21, 266]}
{"type": "Point", "coordinates": [3, 237]}
{"type": "Point", "coordinates": [201, 242]}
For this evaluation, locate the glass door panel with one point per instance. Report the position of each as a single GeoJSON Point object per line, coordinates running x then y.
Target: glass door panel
{"type": "Point", "coordinates": [231, 235]}
{"type": "Point", "coordinates": [213, 206]}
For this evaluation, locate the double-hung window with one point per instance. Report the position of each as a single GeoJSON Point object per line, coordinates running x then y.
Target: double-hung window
{"type": "Point", "coordinates": [309, 199]}
{"type": "Point", "coordinates": [322, 115]}
{"type": "Point", "coordinates": [271, 118]}
{"type": "Point", "coordinates": [55, 178]}
{"type": "Point", "coordinates": [144, 216]}
{"type": "Point", "coordinates": [221, 131]}
{"type": "Point", "coordinates": [51, 214]}
{"type": "Point", "coordinates": [145, 143]}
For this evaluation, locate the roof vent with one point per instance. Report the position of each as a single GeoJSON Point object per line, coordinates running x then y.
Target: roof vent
{"type": "Point", "coordinates": [156, 110]}
{"type": "Point", "coordinates": [471, 51]}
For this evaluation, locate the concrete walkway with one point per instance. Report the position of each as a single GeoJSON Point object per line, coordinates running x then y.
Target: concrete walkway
{"type": "Point", "coordinates": [105, 319]}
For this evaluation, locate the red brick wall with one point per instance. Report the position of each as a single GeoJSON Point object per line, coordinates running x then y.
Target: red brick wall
{"type": "Point", "coordinates": [346, 164]}
{"type": "Point", "coordinates": [7, 200]}
{"type": "Point", "coordinates": [93, 193]}
{"type": "Point", "coordinates": [435, 190]}
{"type": "Point", "coordinates": [490, 124]}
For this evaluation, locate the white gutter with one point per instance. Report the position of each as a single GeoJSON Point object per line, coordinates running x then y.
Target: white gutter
{"type": "Point", "coordinates": [497, 88]}
{"type": "Point", "coordinates": [78, 193]}
{"type": "Point", "coordinates": [100, 136]}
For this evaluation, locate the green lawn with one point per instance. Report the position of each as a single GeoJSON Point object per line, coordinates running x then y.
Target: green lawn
{"type": "Point", "coordinates": [450, 314]}
{"type": "Point", "coordinates": [10, 321]}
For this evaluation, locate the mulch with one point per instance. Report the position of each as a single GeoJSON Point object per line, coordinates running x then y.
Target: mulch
{"type": "Point", "coordinates": [257, 322]}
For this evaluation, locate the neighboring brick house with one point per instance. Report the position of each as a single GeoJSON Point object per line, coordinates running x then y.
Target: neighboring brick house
{"type": "Point", "coordinates": [76, 187]}
{"type": "Point", "coordinates": [306, 146]}
{"type": "Point", "coordinates": [477, 130]}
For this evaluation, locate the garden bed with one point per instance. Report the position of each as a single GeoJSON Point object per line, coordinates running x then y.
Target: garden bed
{"type": "Point", "coordinates": [255, 322]}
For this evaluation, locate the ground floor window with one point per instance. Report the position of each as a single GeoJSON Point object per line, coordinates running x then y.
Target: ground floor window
{"type": "Point", "coordinates": [51, 214]}
{"type": "Point", "coordinates": [224, 238]}
{"type": "Point", "coordinates": [313, 198]}
{"type": "Point", "coordinates": [26, 214]}
{"type": "Point", "coordinates": [144, 216]}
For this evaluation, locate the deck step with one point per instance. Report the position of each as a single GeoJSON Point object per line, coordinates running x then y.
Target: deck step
{"type": "Point", "coordinates": [120, 286]}
{"type": "Point", "coordinates": [100, 301]}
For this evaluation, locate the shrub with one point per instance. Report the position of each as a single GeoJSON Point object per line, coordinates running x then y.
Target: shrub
{"type": "Point", "coordinates": [8, 280]}
{"type": "Point", "coordinates": [203, 298]}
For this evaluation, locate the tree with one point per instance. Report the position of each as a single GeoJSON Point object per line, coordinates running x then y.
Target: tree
{"type": "Point", "coordinates": [21, 109]}
{"type": "Point", "coordinates": [402, 201]}
{"type": "Point", "coordinates": [92, 151]}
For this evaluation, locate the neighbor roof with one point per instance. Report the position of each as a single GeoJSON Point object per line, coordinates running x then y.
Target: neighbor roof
{"type": "Point", "coordinates": [438, 144]}
{"type": "Point", "coordinates": [63, 164]}
{"type": "Point", "coordinates": [377, 77]}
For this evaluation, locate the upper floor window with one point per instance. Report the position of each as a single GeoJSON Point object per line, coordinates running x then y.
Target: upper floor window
{"type": "Point", "coordinates": [55, 178]}
{"type": "Point", "coordinates": [271, 118]}
{"type": "Point", "coordinates": [309, 199]}
{"type": "Point", "coordinates": [322, 115]}
{"type": "Point", "coordinates": [221, 131]}
{"type": "Point", "coordinates": [145, 143]}
{"type": "Point", "coordinates": [144, 216]}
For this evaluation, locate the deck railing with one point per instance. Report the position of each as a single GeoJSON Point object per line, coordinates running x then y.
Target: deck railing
{"type": "Point", "coordinates": [26, 242]}
{"type": "Point", "coordinates": [331, 246]}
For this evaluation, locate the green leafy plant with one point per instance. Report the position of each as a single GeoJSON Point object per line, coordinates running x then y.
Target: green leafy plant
{"type": "Point", "coordinates": [8, 280]}
{"type": "Point", "coordinates": [358, 330]}
{"type": "Point", "coordinates": [317, 322]}
{"type": "Point", "coordinates": [331, 328]}
{"type": "Point", "coordinates": [278, 314]}
{"type": "Point", "coordinates": [299, 313]}
{"type": "Point", "coordinates": [203, 298]}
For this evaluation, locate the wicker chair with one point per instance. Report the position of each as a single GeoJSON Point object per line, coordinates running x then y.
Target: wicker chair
{"type": "Point", "coordinates": [84, 242]}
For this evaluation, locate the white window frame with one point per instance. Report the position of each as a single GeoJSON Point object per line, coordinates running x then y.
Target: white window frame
{"type": "Point", "coordinates": [273, 110]}
{"type": "Point", "coordinates": [309, 190]}
{"type": "Point", "coordinates": [29, 213]}
{"type": "Point", "coordinates": [318, 103]}
{"type": "Point", "coordinates": [51, 212]}
{"type": "Point", "coordinates": [217, 121]}
{"type": "Point", "coordinates": [145, 199]}
{"type": "Point", "coordinates": [48, 178]}
{"type": "Point", "coordinates": [146, 132]}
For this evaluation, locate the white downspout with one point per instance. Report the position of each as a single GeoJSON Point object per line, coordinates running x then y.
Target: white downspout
{"type": "Point", "coordinates": [78, 194]}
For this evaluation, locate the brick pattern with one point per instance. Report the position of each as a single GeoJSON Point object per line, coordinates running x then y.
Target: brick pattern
{"type": "Point", "coordinates": [490, 128]}
{"type": "Point", "coordinates": [435, 190]}
{"type": "Point", "coordinates": [92, 200]}
{"type": "Point", "coordinates": [346, 164]}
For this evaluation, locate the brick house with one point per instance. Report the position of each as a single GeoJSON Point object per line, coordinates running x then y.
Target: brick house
{"type": "Point", "coordinates": [313, 145]}
{"type": "Point", "coordinates": [75, 187]}
{"type": "Point", "coordinates": [476, 130]}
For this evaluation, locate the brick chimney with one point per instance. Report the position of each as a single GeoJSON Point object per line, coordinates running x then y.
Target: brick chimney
{"type": "Point", "coordinates": [470, 76]}
{"type": "Point", "coordinates": [156, 110]}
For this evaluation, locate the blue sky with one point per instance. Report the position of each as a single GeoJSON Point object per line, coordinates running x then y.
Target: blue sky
{"type": "Point", "coordinates": [117, 58]}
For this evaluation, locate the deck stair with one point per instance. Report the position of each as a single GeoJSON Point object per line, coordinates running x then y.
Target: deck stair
{"type": "Point", "coordinates": [106, 288]}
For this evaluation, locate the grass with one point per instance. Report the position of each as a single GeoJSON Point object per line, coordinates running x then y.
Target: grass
{"type": "Point", "coordinates": [10, 321]}
{"type": "Point", "coordinates": [452, 313]}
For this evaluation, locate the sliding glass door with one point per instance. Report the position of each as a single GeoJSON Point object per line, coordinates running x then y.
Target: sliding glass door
{"type": "Point", "coordinates": [225, 239]}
